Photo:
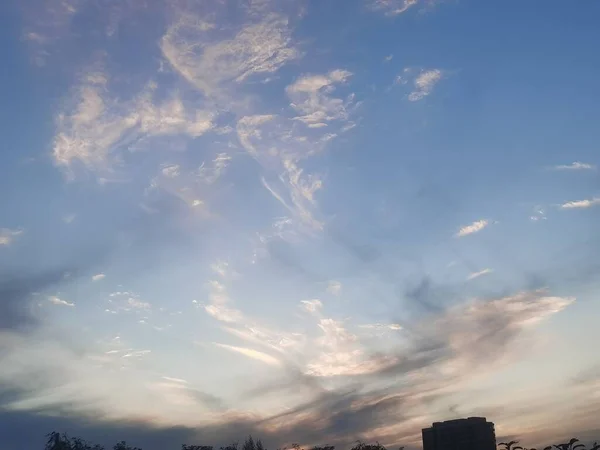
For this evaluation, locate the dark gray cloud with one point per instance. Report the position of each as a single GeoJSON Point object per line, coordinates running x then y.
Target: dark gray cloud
{"type": "Point", "coordinates": [16, 310]}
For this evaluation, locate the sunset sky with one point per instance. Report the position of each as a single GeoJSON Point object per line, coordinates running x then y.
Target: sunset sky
{"type": "Point", "coordinates": [314, 221]}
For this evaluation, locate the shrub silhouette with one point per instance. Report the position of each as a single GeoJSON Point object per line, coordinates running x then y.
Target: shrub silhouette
{"type": "Point", "coordinates": [58, 441]}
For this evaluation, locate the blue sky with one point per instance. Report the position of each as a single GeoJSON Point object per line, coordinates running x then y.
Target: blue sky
{"type": "Point", "coordinates": [310, 221]}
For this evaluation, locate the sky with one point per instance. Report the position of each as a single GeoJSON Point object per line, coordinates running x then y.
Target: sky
{"type": "Point", "coordinates": [309, 221]}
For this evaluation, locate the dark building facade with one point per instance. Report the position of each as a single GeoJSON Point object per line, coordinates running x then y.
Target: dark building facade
{"type": "Point", "coordinates": [474, 433]}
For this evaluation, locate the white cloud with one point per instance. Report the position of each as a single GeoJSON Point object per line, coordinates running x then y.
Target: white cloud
{"type": "Point", "coordinates": [334, 287]}
{"type": "Point", "coordinates": [424, 84]}
{"type": "Point", "coordinates": [382, 326]}
{"type": "Point", "coordinates": [473, 228]}
{"type": "Point", "coordinates": [253, 354]}
{"type": "Point", "coordinates": [210, 175]}
{"type": "Point", "coordinates": [98, 277]}
{"type": "Point", "coordinates": [69, 218]}
{"type": "Point", "coordinates": [392, 7]}
{"type": "Point", "coordinates": [340, 353]}
{"type": "Point", "coordinates": [171, 171]}
{"type": "Point", "coordinates": [137, 354]}
{"type": "Point", "coordinates": [311, 306]}
{"type": "Point", "coordinates": [272, 142]}
{"type": "Point", "coordinates": [93, 132]}
{"type": "Point", "coordinates": [581, 204]}
{"type": "Point", "coordinates": [310, 97]}
{"type": "Point", "coordinates": [219, 304]}
{"type": "Point", "coordinates": [59, 302]}
{"type": "Point", "coordinates": [388, 58]}
{"type": "Point", "coordinates": [538, 214]}
{"type": "Point", "coordinates": [210, 66]}
{"type": "Point", "coordinates": [137, 304]}
{"type": "Point", "coordinates": [7, 236]}
{"type": "Point", "coordinates": [577, 165]}
{"type": "Point", "coordinates": [474, 275]}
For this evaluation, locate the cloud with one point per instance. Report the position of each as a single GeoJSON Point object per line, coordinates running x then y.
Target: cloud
{"type": "Point", "coordinates": [219, 307]}
{"type": "Point", "coordinates": [99, 125]}
{"type": "Point", "coordinates": [388, 58]}
{"type": "Point", "coordinates": [575, 166]}
{"type": "Point", "coordinates": [311, 306]}
{"type": "Point", "coordinates": [475, 227]}
{"type": "Point", "coordinates": [288, 183]}
{"type": "Point", "coordinates": [211, 65]}
{"type": "Point", "coordinates": [538, 214]}
{"type": "Point", "coordinates": [137, 304]}
{"type": "Point", "coordinates": [17, 311]}
{"type": "Point", "coordinates": [210, 175]}
{"type": "Point", "coordinates": [98, 277]}
{"type": "Point", "coordinates": [334, 287]}
{"type": "Point", "coordinates": [392, 7]}
{"type": "Point", "coordinates": [59, 302]}
{"type": "Point", "coordinates": [310, 97]}
{"type": "Point", "coordinates": [581, 204]}
{"type": "Point", "coordinates": [424, 84]}
{"type": "Point", "coordinates": [171, 171]}
{"type": "Point", "coordinates": [7, 236]}
{"type": "Point", "coordinates": [474, 275]}
{"type": "Point", "coordinates": [381, 326]}
{"type": "Point", "coordinates": [250, 353]}
{"type": "Point", "coordinates": [69, 218]}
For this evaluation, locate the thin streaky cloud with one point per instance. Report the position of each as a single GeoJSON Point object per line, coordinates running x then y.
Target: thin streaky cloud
{"type": "Point", "coordinates": [8, 236]}
{"type": "Point", "coordinates": [311, 306]}
{"type": "Point", "coordinates": [392, 7]}
{"type": "Point", "coordinates": [475, 227]}
{"type": "Point", "coordinates": [98, 277]}
{"type": "Point", "coordinates": [424, 84]}
{"type": "Point", "coordinates": [250, 353]}
{"type": "Point", "coordinates": [581, 204]}
{"type": "Point", "coordinates": [59, 302]}
{"type": "Point", "coordinates": [474, 275]}
{"type": "Point", "coordinates": [577, 165]}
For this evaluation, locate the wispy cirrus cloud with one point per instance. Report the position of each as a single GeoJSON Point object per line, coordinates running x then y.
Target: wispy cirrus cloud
{"type": "Point", "coordinates": [392, 7]}
{"type": "Point", "coordinates": [311, 306]}
{"type": "Point", "coordinates": [98, 277]}
{"type": "Point", "coordinates": [581, 204]}
{"type": "Point", "coordinates": [539, 213]}
{"type": "Point", "coordinates": [8, 236]}
{"type": "Point", "coordinates": [475, 227]}
{"type": "Point", "coordinates": [59, 302]}
{"type": "Point", "coordinates": [310, 95]}
{"type": "Point", "coordinates": [424, 84]}
{"type": "Point", "coordinates": [251, 353]}
{"type": "Point", "coordinates": [99, 126]}
{"type": "Point", "coordinates": [474, 275]}
{"type": "Point", "coordinates": [577, 165]}
{"type": "Point", "coordinates": [218, 63]}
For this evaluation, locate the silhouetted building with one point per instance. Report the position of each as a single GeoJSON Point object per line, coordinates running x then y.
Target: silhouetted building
{"type": "Point", "coordinates": [474, 433]}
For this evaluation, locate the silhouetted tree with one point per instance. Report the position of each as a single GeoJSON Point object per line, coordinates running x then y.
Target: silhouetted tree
{"type": "Point", "coordinates": [571, 445]}
{"type": "Point", "coordinates": [362, 446]}
{"type": "Point", "coordinates": [232, 446]}
{"type": "Point", "coordinates": [196, 447]}
{"type": "Point", "coordinates": [259, 445]}
{"type": "Point", "coordinates": [510, 445]}
{"type": "Point", "coordinates": [56, 441]}
{"type": "Point", "coordinates": [323, 447]}
{"type": "Point", "coordinates": [123, 446]}
{"type": "Point", "coordinates": [249, 444]}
